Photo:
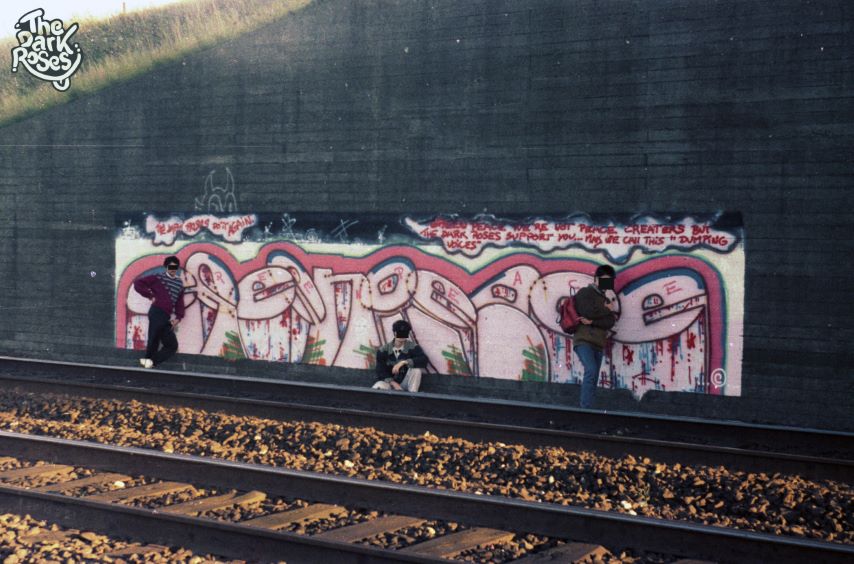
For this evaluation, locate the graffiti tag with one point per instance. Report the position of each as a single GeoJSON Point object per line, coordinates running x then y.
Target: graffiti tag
{"type": "Point", "coordinates": [617, 242]}
{"type": "Point", "coordinates": [229, 228]}
{"type": "Point", "coordinates": [218, 198]}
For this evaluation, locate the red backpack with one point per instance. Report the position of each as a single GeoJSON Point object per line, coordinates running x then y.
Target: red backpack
{"type": "Point", "coordinates": [568, 315]}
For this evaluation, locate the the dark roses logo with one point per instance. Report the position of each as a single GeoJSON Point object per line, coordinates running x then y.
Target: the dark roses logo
{"type": "Point", "coordinates": [44, 49]}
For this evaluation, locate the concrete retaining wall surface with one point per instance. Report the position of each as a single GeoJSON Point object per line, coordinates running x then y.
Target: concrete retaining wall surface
{"type": "Point", "coordinates": [545, 106]}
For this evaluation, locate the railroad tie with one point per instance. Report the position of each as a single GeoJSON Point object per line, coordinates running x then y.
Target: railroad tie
{"type": "Point", "coordinates": [140, 549]}
{"type": "Point", "coordinates": [282, 520]}
{"type": "Point", "coordinates": [570, 553]}
{"type": "Point", "coordinates": [7, 459]}
{"type": "Point", "coordinates": [368, 529]}
{"type": "Point", "coordinates": [96, 480]}
{"type": "Point", "coordinates": [196, 506]}
{"type": "Point", "coordinates": [449, 546]}
{"type": "Point", "coordinates": [36, 471]}
{"type": "Point", "coordinates": [45, 537]}
{"type": "Point", "coordinates": [131, 494]}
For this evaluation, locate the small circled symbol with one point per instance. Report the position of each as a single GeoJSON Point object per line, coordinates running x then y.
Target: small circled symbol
{"type": "Point", "coordinates": [718, 377]}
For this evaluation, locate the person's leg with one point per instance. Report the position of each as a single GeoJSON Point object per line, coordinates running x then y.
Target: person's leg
{"type": "Point", "coordinates": [170, 344]}
{"type": "Point", "coordinates": [412, 380]}
{"type": "Point", "coordinates": [157, 321]}
{"type": "Point", "coordinates": [381, 385]}
{"type": "Point", "coordinates": [591, 359]}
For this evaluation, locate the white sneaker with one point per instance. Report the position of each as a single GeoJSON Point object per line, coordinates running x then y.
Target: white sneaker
{"type": "Point", "coordinates": [146, 363]}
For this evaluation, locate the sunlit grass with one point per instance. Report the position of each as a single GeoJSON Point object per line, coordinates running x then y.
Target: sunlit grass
{"type": "Point", "coordinates": [124, 46]}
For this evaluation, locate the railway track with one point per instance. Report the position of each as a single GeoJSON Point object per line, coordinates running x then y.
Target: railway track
{"type": "Point", "coordinates": [46, 494]}
{"type": "Point", "coordinates": [737, 446]}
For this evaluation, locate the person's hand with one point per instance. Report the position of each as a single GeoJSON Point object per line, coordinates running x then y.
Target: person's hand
{"type": "Point", "coordinates": [395, 386]}
{"type": "Point", "coordinates": [584, 321]}
{"type": "Point", "coordinates": [174, 322]}
{"type": "Point", "coordinates": [396, 368]}
{"type": "Point", "coordinates": [151, 299]}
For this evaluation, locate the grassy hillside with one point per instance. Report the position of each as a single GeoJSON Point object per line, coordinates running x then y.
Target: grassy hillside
{"type": "Point", "coordinates": [124, 46]}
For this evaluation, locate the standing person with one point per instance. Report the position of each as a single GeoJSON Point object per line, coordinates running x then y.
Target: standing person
{"type": "Point", "coordinates": [166, 292]}
{"type": "Point", "coordinates": [400, 362]}
{"type": "Point", "coordinates": [596, 305]}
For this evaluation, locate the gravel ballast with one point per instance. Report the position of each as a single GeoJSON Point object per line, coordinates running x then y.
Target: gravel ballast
{"type": "Point", "coordinates": [766, 502]}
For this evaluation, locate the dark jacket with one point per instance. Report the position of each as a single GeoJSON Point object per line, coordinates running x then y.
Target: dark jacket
{"type": "Point", "coordinates": [411, 353]}
{"type": "Point", "coordinates": [590, 303]}
{"type": "Point", "coordinates": [153, 287]}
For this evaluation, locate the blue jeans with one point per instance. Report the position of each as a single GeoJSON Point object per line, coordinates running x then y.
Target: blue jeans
{"type": "Point", "coordinates": [591, 358]}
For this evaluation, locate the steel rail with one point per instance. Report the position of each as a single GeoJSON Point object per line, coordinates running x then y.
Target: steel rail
{"type": "Point", "coordinates": [600, 527]}
{"type": "Point", "coordinates": [608, 445]}
{"type": "Point", "coordinates": [781, 438]}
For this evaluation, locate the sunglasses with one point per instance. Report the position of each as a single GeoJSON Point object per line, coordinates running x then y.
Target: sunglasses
{"type": "Point", "coordinates": [172, 267]}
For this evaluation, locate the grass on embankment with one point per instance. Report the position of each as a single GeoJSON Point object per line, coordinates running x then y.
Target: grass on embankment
{"type": "Point", "coordinates": [121, 47]}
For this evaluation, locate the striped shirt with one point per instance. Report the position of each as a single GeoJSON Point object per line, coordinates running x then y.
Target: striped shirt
{"type": "Point", "coordinates": [173, 285]}
{"type": "Point", "coordinates": [164, 292]}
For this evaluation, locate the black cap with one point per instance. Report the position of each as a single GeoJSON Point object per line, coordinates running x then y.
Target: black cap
{"type": "Point", "coordinates": [605, 270]}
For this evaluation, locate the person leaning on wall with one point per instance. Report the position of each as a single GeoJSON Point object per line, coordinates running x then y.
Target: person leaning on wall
{"type": "Point", "coordinates": [596, 305]}
{"type": "Point", "coordinates": [166, 292]}
{"type": "Point", "coordinates": [400, 362]}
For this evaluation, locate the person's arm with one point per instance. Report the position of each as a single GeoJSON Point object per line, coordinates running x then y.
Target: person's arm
{"type": "Point", "coordinates": [398, 372]}
{"type": "Point", "coordinates": [591, 306]}
{"type": "Point", "coordinates": [384, 371]}
{"type": "Point", "coordinates": [143, 286]}
{"type": "Point", "coordinates": [179, 306]}
{"type": "Point", "coordinates": [417, 358]}
{"type": "Point", "coordinates": [606, 321]}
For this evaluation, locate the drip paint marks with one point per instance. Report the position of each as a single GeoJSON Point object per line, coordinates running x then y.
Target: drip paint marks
{"type": "Point", "coordinates": [481, 293]}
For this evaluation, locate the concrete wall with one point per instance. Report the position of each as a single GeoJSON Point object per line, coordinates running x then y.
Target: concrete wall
{"type": "Point", "coordinates": [540, 107]}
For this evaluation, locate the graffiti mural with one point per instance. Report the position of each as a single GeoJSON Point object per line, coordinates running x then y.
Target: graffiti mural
{"type": "Point", "coordinates": [481, 293]}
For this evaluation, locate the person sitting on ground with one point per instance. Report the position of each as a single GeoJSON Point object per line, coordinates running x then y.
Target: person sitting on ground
{"type": "Point", "coordinates": [166, 292]}
{"type": "Point", "coordinates": [400, 362]}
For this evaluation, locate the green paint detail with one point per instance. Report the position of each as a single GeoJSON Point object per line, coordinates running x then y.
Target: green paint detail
{"type": "Point", "coordinates": [457, 363]}
{"type": "Point", "coordinates": [233, 349]}
{"type": "Point", "coordinates": [313, 351]}
{"type": "Point", "coordinates": [533, 356]}
{"type": "Point", "coordinates": [536, 365]}
{"type": "Point", "coordinates": [370, 354]}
